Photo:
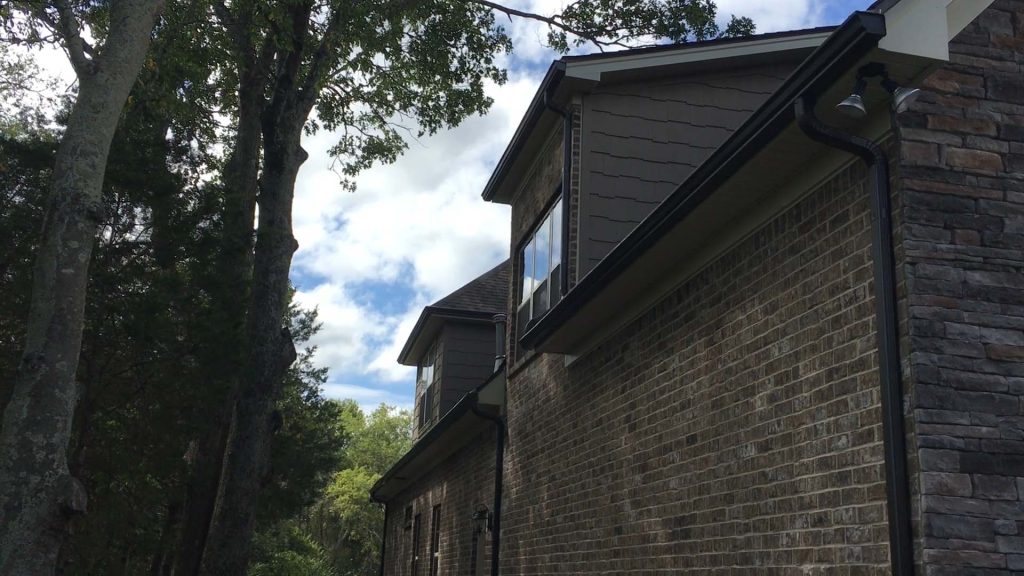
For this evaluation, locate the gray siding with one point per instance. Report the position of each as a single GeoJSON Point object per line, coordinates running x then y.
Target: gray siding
{"type": "Point", "coordinates": [641, 140]}
{"type": "Point", "coordinates": [468, 360]}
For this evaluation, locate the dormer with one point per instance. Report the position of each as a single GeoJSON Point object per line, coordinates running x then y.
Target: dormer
{"type": "Point", "coordinates": [609, 136]}
{"type": "Point", "coordinates": [453, 345]}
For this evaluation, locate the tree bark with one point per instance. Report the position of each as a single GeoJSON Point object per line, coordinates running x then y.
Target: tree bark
{"type": "Point", "coordinates": [37, 492]}
{"type": "Point", "coordinates": [231, 297]}
{"type": "Point", "coordinates": [270, 351]}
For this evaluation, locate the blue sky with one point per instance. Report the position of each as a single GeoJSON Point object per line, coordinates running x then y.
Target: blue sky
{"type": "Point", "coordinates": [416, 230]}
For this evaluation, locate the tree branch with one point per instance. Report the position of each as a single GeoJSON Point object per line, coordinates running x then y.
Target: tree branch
{"type": "Point", "coordinates": [553, 21]}
{"type": "Point", "coordinates": [78, 49]}
{"type": "Point", "coordinates": [319, 64]}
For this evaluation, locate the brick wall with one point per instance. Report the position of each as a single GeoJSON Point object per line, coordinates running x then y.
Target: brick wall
{"type": "Point", "coordinates": [461, 484]}
{"type": "Point", "coordinates": [733, 429]}
{"type": "Point", "coordinates": [962, 190]}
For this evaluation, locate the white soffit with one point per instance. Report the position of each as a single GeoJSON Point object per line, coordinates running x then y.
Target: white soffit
{"type": "Point", "coordinates": [593, 69]}
{"type": "Point", "coordinates": [925, 27]}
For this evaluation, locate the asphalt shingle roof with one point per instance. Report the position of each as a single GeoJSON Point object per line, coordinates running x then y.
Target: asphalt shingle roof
{"type": "Point", "coordinates": [486, 293]}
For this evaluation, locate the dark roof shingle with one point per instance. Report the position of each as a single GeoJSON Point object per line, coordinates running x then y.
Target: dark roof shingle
{"type": "Point", "coordinates": [486, 293]}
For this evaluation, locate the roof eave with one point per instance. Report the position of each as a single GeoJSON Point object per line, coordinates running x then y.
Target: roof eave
{"type": "Point", "coordinates": [408, 356]}
{"type": "Point", "coordinates": [463, 409]}
{"type": "Point", "coordinates": [553, 77]}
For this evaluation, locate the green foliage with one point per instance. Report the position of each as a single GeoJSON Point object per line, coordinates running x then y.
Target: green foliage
{"type": "Point", "coordinates": [341, 531]}
{"type": "Point", "coordinates": [345, 522]}
{"type": "Point", "coordinates": [287, 551]}
{"type": "Point", "coordinates": [310, 445]}
{"type": "Point", "coordinates": [624, 23]}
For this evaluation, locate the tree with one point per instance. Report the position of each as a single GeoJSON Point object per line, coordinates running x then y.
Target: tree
{"type": "Point", "coordinates": [345, 523]}
{"type": "Point", "coordinates": [37, 493]}
{"type": "Point", "coordinates": [365, 68]}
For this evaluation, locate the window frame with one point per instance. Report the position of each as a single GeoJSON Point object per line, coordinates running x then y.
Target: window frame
{"type": "Point", "coordinates": [427, 417]}
{"type": "Point", "coordinates": [553, 219]}
{"type": "Point", "coordinates": [435, 539]}
{"type": "Point", "coordinates": [414, 559]}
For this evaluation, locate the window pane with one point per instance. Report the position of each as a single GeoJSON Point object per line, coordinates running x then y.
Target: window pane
{"type": "Point", "coordinates": [427, 365]}
{"type": "Point", "coordinates": [540, 298]}
{"type": "Point", "coordinates": [556, 234]}
{"type": "Point", "coordinates": [528, 260]}
{"type": "Point", "coordinates": [543, 258]}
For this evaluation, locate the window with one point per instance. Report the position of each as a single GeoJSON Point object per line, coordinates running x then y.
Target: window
{"type": "Point", "coordinates": [427, 376]}
{"type": "Point", "coordinates": [542, 268]}
{"type": "Point", "coordinates": [435, 539]}
{"type": "Point", "coordinates": [414, 561]}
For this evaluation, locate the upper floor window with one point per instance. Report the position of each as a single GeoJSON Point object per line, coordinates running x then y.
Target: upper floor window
{"type": "Point", "coordinates": [542, 268]}
{"type": "Point", "coordinates": [427, 376]}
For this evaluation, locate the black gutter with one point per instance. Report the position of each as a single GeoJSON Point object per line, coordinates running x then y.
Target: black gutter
{"type": "Point", "coordinates": [897, 482]}
{"type": "Point", "coordinates": [384, 539]}
{"type": "Point", "coordinates": [563, 280]}
{"type": "Point", "coordinates": [499, 472]}
{"type": "Point", "coordinates": [857, 36]}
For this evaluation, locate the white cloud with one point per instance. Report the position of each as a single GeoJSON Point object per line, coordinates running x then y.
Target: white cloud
{"type": "Point", "coordinates": [777, 15]}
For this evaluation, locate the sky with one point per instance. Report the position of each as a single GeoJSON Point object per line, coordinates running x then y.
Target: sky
{"type": "Point", "coordinates": [416, 230]}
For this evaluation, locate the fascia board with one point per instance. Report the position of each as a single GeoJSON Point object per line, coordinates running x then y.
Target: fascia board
{"type": "Point", "coordinates": [912, 25]}
{"type": "Point", "coordinates": [594, 70]}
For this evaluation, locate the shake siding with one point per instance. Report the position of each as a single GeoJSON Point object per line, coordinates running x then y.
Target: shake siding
{"type": "Point", "coordinates": [469, 360]}
{"type": "Point", "coordinates": [734, 428]}
{"type": "Point", "coordinates": [641, 140]}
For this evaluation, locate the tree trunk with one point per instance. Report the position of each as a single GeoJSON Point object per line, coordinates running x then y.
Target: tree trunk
{"type": "Point", "coordinates": [270, 351]}
{"type": "Point", "coordinates": [37, 493]}
{"type": "Point", "coordinates": [231, 297]}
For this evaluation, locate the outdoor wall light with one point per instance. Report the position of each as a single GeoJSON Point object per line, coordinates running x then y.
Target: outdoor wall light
{"type": "Point", "coordinates": [853, 105]}
{"type": "Point", "coordinates": [482, 518]}
{"type": "Point", "coordinates": [901, 97]}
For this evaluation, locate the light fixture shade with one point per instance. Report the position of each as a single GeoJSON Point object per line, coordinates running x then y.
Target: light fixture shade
{"type": "Point", "coordinates": [902, 97]}
{"type": "Point", "coordinates": [853, 105]}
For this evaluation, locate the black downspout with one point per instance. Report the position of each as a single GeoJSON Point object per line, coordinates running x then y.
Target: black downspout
{"type": "Point", "coordinates": [897, 482]}
{"type": "Point", "coordinates": [499, 465]}
{"type": "Point", "coordinates": [563, 280]}
{"type": "Point", "coordinates": [384, 539]}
